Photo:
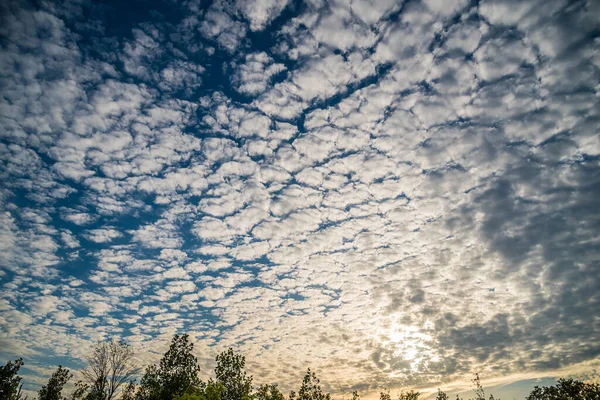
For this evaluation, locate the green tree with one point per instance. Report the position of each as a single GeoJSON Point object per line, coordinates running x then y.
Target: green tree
{"type": "Point", "coordinates": [385, 395]}
{"type": "Point", "coordinates": [81, 391]}
{"type": "Point", "coordinates": [310, 388]}
{"type": "Point", "coordinates": [150, 385]}
{"type": "Point", "coordinates": [187, 396]}
{"type": "Point", "coordinates": [213, 391]}
{"type": "Point", "coordinates": [208, 391]}
{"type": "Point", "coordinates": [268, 392]}
{"type": "Point", "coordinates": [53, 389]}
{"type": "Point", "coordinates": [566, 389]}
{"type": "Point", "coordinates": [129, 391]}
{"type": "Point", "coordinates": [176, 373]}
{"type": "Point", "coordinates": [355, 395]}
{"type": "Point", "coordinates": [230, 372]}
{"type": "Point", "coordinates": [10, 381]}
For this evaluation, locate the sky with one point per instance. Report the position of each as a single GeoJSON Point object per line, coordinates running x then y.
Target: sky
{"type": "Point", "coordinates": [394, 193]}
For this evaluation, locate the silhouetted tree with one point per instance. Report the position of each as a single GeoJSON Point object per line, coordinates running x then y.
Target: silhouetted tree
{"type": "Point", "coordinates": [53, 389]}
{"type": "Point", "coordinates": [566, 389]}
{"type": "Point", "coordinates": [129, 391]}
{"type": "Point", "coordinates": [176, 374]}
{"type": "Point", "coordinates": [310, 388]}
{"type": "Point", "coordinates": [478, 389]}
{"type": "Point", "coordinates": [268, 392]}
{"type": "Point", "coordinates": [176, 378]}
{"type": "Point", "coordinates": [10, 381]}
{"type": "Point", "coordinates": [441, 395]}
{"type": "Point", "coordinates": [230, 372]}
{"type": "Point", "coordinates": [385, 395]}
{"type": "Point", "coordinates": [81, 391]}
{"type": "Point", "coordinates": [412, 395]}
{"type": "Point", "coordinates": [110, 365]}
{"type": "Point", "coordinates": [479, 392]}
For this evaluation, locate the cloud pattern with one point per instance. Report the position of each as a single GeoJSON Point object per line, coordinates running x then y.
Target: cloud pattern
{"type": "Point", "coordinates": [395, 193]}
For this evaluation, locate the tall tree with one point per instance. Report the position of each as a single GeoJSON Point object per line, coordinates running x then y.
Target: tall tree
{"type": "Point", "coordinates": [441, 395]}
{"type": "Point", "coordinates": [310, 388]}
{"type": "Point", "coordinates": [53, 389]}
{"type": "Point", "coordinates": [412, 395]}
{"type": "Point", "coordinates": [10, 381]}
{"type": "Point", "coordinates": [110, 365]}
{"type": "Point", "coordinates": [129, 391]}
{"type": "Point", "coordinates": [230, 372]}
{"type": "Point", "coordinates": [268, 392]}
{"type": "Point", "coordinates": [479, 392]}
{"type": "Point", "coordinates": [566, 389]}
{"type": "Point", "coordinates": [82, 391]}
{"type": "Point", "coordinates": [176, 373]}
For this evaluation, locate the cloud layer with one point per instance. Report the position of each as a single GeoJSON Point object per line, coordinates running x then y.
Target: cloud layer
{"type": "Point", "coordinates": [394, 193]}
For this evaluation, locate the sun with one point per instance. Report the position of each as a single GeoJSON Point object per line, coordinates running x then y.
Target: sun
{"type": "Point", "coordinates": [410, 353]}
{"type": "Point", "coordinates": [408, 343]}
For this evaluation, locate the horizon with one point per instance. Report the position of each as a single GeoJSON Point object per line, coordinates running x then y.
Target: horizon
{"type": "Point", "coordinates": [396, 194]}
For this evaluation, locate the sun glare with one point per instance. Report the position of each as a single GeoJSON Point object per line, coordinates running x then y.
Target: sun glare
{"type": "Point", "coordinates": [408, 343]}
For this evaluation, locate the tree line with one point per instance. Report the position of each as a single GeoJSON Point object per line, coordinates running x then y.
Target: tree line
{"type": "Point", "coordinates": [111, 375]}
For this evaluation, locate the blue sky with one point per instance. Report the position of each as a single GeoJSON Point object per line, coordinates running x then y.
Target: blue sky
{"type": "Point", "coordinates": [394, 193]}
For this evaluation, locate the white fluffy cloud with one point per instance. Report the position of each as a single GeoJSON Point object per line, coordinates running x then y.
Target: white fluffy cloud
{"type": "Point", "coordinates": [253, 76]}
{"type": "Point", "coordinates": [408, 188]}
{"type": "Point", "coordinates": [260, 13]}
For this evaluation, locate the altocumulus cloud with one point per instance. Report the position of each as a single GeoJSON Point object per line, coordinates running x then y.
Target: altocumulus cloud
{"type": "Point", "coordinates": [394, 193]}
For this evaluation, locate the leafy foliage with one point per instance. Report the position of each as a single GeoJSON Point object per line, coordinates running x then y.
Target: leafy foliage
{"type": "Point", "coordinates": [176, 374]}
{"type": "Point", "coordinates": [230, 372]}
{"type": "Point", "coordinates": [111, 370]}
{"type": "Point", "coordinates": [213, 391]}
{"type": "Point", "coordinates": [479, 392]}
{"type": "Point", "coordinates": [412, 395]}
{"type": "Point", "coordinates": [52, 390]}
{"type": "Point", "coordinates": [310, 388]}
{"type": "Point", "coordinates": [268, 392]}
{"type": "Point", "coordinates": [81, 391]}
{"type": "Point", "coordinates": [566, 389]}
{"type": "Point", "coordinates": [441, 396]}
{"type": "Point", "coordinates": [187, 396]}
{"type": "Point", "coordinates": [385, 395]}
{"type": "Point", "coordinates": [208, 391]}
{"type": "Point", "coordinates": [10, 381]}
{"type": "Point", "coordinates": [129, 391]}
